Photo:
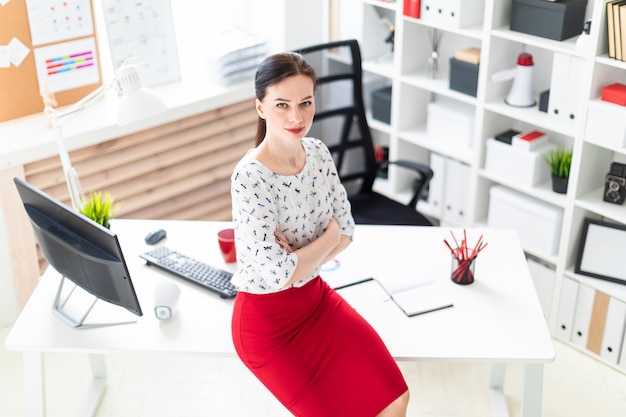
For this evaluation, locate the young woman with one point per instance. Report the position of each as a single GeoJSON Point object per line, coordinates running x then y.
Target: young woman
{"type": "Point", "coordinates": [313, 351]}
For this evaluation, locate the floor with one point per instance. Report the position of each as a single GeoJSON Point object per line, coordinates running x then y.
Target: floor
{"type": "Point", "coordinates": [575, 385]}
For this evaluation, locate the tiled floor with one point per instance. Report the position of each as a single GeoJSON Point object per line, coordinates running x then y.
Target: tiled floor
{"type": "Point", "coordinates": [575, 385]}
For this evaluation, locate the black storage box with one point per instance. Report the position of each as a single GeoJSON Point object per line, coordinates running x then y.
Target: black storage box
{"type": "Point", "coordinates": [544, 101]}
{"type": "Point", "coordinates": [381, 104]}
{"type": "Point", "coordinates": [463, 77]}
{"type": "Point", "coordinates": [553, 20]}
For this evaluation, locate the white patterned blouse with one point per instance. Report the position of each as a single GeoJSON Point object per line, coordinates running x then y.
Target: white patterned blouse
{"type": "Point", "coordinates": [300, 206]}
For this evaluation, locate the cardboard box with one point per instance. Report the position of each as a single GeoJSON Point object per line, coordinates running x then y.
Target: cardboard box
{"type": "Point", "coordinates": [463, 77]}
{"type": "Point", "coordinates": [381, 104]}
{"type": "Point", "coordinates": [451, 121]}
{"type": "Point", "coordinates": [522, 167]}
{"type": "Point", "coordinates": [553, 20]}
{"type": "Point", "coordinates": [606, 123]}
{"type": "Point", "coordinates": [537, 223]}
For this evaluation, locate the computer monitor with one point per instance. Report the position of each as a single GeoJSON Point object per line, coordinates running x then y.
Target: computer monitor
{"type": "Point", "coordinates": [81, 250]}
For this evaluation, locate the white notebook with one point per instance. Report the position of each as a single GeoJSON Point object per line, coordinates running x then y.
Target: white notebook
{"type": "Point", "coordinates": [422, 299]}
{"type": "Point", "coordinates": [419, 296]}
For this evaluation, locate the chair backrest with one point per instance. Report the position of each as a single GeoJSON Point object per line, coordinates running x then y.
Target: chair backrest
{"type": "Point", "coordinates": [340, 120]}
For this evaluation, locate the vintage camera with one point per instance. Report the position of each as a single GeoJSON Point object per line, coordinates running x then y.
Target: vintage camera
{"type": "Point", "coordinates": [615, 184]}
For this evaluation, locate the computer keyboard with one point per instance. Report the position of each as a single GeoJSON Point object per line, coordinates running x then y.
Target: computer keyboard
{"type": "Point", "coordinates": [191, 269]}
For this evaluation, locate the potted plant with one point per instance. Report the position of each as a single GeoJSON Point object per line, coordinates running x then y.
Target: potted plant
{"type": "Point", "coordinates": [559, 161]}
{"type": "Point", "coordinates": [100, 207]}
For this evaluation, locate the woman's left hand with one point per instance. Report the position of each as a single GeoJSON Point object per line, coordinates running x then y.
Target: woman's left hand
{"type": "Point", "coordinates": [282, 241]}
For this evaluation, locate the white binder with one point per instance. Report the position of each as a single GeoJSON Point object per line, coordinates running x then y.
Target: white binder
{"type": "Point", "coordinates": [564, 100]}
{"type": "Point", "coordinates": [456, 192]}
{"type": "Point", "coordinates": [614, 331]}
{"type": "Point", "coordinates": [582, 315]}
{"type": "Point", "coordinates": [567, 306]}
{"type": "Point", "coordinates": [436, 184]}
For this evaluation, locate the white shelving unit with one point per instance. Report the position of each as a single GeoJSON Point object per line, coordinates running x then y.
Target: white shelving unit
{"type": "Point", "coordinates": [406, 70]}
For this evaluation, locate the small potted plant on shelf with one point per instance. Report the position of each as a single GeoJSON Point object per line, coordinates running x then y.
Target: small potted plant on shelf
{"type": "Point", "coordinates": [559, 161]}
{"type": "Point", "coordinates": [100, 207]}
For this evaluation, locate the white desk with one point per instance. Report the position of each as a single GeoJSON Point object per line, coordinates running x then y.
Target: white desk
{"type": "Point", "coordinates": [496, 320]}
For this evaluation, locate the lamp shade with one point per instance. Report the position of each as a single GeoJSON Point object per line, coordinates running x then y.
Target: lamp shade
{"type": "Point", "coordinates": [136, 101]}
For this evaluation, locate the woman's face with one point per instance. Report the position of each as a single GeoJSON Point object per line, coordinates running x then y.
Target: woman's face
{"type": "Point", "coordinates": [288, 108]}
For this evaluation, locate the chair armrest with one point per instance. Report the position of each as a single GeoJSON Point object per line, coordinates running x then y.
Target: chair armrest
{"type": "Point", "coordinates": [420, 186]}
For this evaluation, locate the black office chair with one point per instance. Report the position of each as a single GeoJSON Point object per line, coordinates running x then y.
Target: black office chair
{"type": "Point", "coordinates": [340, 121]}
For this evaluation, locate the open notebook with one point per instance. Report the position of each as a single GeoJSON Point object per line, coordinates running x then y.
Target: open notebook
{"type": "Point", "coordinates": [417, 295]}
{"type": "Point", "coordinates": [412, 294]}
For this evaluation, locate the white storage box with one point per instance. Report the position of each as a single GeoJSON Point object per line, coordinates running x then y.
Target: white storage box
{"type": "Point", "coordinates": [453, 13]}
{"type": "Point", "coordinates": [450, 121]}
{"type": "Point", "coordinates": [517, 165]}
{"type": "Point", "coordinates": [537, 223]}
{"type": "Point", "coordinates": [606, 123]}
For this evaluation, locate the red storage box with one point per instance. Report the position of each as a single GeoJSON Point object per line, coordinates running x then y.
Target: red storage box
{"type": "Point", "coordinates": [615, 93]}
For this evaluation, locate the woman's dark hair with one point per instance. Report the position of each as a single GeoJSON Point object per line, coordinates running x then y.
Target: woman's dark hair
{"type": "Point", "coordinates": [273, 70]}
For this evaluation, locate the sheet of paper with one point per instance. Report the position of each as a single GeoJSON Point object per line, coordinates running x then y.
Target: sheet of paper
{"type": "Point", "coordinates": [142, 32]}
{"type": "Point", "coordinates": [422, 299]}
{"type": "Point", "coordinates": [17, 51]}
{"type": "Point", "coordinates": [59, 20]}
{"type": "Point", "coordinates": [67, 65]}
{"type": "Point", "coordinates": [5, 57]}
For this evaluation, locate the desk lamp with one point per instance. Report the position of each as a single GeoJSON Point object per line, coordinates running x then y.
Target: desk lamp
{"type": "Point", "coordinates": [136, 103]}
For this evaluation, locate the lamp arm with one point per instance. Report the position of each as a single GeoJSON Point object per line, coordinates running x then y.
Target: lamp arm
{"type": "Point", "coordinates": [71, 177]}
{"type": "Point", "coordinates": [80, 105]}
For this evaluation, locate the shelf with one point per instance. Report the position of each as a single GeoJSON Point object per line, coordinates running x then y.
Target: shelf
{"type": "Point", "coordinates": [605, 146]}
{"type": "Point", "coordinates": [542, 191]}
{"type": "Point", "coordinates": [419, 137]}
{"type": "Point", "coordinates": [567, 46]}
{"type": "Point", "coordinates": [383, 67]}
{"type": "Point", "coordinates": [605, 60]}
{"type": "Point", "coordinates": [389, 5]}
{"type": "Point", "coordinates": [474, 32]}
{"type": "Point", "coordinates": [439, 86]}
{"type": "Point", "coordinates": [613, 289]}
{"type": "Point", "coordinates": [593, 202]}
{"type": "Point", "coordinates": [378, 125]}
{"type": "Point", "coordinates": [533, 116]}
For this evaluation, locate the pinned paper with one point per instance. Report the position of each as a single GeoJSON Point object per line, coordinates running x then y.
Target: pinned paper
{"type": "Point", "coordinates": [58, 20]}
{"type": "Point", "coordinates": [67, 65]}
{"type": "Point", "coordinates": [17, 51]}
{"type": "Point", "coordinates": [5, 59]}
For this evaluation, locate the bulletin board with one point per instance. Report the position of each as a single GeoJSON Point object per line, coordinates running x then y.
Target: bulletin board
{"type": "Point", "coordinates": [47, 43]}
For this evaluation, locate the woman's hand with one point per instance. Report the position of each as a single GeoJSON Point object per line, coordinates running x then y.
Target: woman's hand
{"type": "Point", "coordinates": [282, 241]}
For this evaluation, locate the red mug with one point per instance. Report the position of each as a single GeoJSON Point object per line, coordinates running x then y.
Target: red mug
{"type": "Point", "coordinates": [226, 240]}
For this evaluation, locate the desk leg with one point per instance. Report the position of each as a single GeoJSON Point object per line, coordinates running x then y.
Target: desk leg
{"type": "Point", "coordinates": [533, 390]}
{"type": "Point", "coordinates": [93, 396]}
{"type": "Point", "coordinates": [34, 387]}
{"type": "Point", "coordinates": [496, 394]}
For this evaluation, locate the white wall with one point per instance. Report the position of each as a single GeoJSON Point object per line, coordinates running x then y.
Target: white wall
{"type": "Point", "coordinates": [8, 301]}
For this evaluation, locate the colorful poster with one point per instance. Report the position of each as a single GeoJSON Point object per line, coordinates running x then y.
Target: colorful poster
{"type": "Point", "coordinates": [67, 65]}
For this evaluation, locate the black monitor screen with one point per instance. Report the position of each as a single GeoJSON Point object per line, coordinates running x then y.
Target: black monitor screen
{"type": "Point", "coordinates": [80, 249]}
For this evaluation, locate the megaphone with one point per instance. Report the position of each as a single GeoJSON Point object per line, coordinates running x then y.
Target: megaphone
{"type": "Point", "coordinates": [521, 94]}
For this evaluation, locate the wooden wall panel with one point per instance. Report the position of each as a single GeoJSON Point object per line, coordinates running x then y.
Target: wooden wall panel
{"type": "Point", "coordinates": [176, 171]}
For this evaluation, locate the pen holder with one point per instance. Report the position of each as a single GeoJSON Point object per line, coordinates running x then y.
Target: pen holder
{"type": "Point", "coordinates": [462, 270]}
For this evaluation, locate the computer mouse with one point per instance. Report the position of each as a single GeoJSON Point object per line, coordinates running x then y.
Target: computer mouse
{"type": "Point", "coordinates": [155, 236]}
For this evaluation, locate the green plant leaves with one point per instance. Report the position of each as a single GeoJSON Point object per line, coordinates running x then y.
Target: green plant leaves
{"type": "Point", "coordinates": [100, 207]}
{"type": "Point", "coordinates": [559, 160]}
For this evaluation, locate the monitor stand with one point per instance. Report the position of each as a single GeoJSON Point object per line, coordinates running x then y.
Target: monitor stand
{"type": "Point", "coordinates": [59, 308]}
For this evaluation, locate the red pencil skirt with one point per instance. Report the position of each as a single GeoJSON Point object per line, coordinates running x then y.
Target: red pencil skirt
{"type": "Point", "coordinates": [315, 353]}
